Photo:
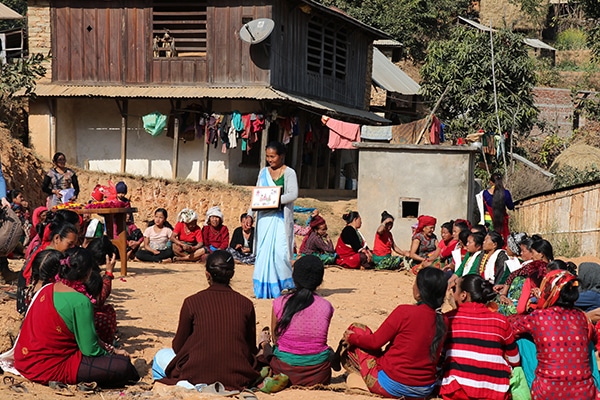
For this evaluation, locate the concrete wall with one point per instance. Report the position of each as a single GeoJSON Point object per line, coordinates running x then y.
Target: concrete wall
{"type": "Point", "coordinates": [438, 178]}
{"type": "Point", "coordinates": [89, 133]}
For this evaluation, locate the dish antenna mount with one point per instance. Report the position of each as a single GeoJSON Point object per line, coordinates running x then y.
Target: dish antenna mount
{"type": "Point", "coordinates": [257, 30]}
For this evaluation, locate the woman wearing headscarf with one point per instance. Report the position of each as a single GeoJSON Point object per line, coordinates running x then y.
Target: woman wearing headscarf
{"type": "Point", "coordinates": [424, 240]}
{"type": "Point", "coordinates": [214, 234]}
{"type": "Point", "coordinates": [384, 245]}
{"type": "Point", "coordinates": [562, 335]}
{"type": "Point", "coordinates": [188, 244]}
{"type": "Point", "coordinates": [317, 242]}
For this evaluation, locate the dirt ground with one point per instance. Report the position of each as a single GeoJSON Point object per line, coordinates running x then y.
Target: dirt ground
{"type": "Point", "coordinates": [148, 300]}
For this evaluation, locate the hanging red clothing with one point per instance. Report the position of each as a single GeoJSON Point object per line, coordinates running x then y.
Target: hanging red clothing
{"type": "Point", "coordinates": [48, 354]}
{"type": "Point", "coordinates": [341, 134]}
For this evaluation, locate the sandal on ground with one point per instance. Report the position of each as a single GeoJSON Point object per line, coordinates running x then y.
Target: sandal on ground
{"type": "Point", "coordinates": [247, 394]}
{"type": "Point", "coordinates": [87, 387]}
{"type": "Point", "coordinates": [219, 389]}
{"type": "Point", "coordinates": [15, 387]}
{"type": "Point", "coordinates": [60, 388]}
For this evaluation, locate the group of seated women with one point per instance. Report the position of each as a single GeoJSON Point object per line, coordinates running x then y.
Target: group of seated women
{"type": "Point", "coordinates": [189, 242]}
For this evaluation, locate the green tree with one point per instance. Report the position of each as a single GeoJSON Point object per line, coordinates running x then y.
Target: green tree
{"type": "Point", "coordinates": [414, 23]}
{"type": "Point", "coordinates": [463, 65]}
{"type": "Point", "coordinates": [16, 76]}
{"type": "Point", "coordinates": [591, 8]}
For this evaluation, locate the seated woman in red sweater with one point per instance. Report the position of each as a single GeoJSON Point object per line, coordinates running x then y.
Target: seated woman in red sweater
{"type": "Point", "coordinates": [187, 238]}
{"type": "Point", "coordinates": [384, 245]}
{"type": "Point", "coordinates": [214, 233]}
{"type": "Point", "coordinates": [414, 336]}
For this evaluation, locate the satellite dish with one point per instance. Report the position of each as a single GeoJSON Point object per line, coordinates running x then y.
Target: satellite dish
{"type": "Point", "coordinates": [257, 30]}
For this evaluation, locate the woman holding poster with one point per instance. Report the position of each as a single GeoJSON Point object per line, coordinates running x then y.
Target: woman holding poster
{"type": "Point", "coordinates": [274, 235]}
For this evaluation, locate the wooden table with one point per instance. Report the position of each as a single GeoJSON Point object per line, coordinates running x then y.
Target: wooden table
{"type": "Point", "coordinates": [112, 217]}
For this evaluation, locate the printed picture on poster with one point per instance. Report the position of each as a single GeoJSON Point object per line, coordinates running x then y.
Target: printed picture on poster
{"type": "Point", "coordinates": [266, 197]}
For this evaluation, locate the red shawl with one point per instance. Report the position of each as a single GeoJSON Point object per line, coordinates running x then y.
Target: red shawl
{"type": "Point", "coordinates": [46, 349]}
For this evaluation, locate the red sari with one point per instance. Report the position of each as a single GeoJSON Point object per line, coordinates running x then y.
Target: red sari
{"type": "Point", "coordinates": [46, 349]}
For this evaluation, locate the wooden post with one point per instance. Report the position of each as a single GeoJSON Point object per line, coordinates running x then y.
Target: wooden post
{"type": "Point", "coordinates": [175, 146]}
{"type": "Point", "coordinates": [53, 140]}
{"type": "Point", "coordinates": [338, 169]}
{"type": "Point", "coordinates": [264, 141]}
{"type": "Point", "coordinates": [123, 109]}
{"type": "Point", "coordinates": [327, 167]}
{"type": "Point", "coordinates": [205, 160]}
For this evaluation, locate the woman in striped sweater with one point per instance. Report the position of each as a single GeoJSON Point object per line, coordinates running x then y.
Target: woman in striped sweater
{"type": "Point", "coordinates": [480, 345]}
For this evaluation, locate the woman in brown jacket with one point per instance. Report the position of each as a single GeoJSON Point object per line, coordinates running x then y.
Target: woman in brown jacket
{"type": "Point", "coordinates": [216, 336]}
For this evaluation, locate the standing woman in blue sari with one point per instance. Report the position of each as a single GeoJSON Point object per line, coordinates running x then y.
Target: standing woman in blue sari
{"type": "Point", "coordinates": [274, 235]}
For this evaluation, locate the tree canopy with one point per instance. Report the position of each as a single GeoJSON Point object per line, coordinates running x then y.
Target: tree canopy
{"type": "Point", "coordinates": [463, 64]}
{"type": "Point", "coordinates": [19, 6]}
{"type": "Point", "coordinates": [414, 23]}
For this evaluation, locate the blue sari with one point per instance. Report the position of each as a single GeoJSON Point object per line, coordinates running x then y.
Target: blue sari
{"type": "Point", "coordinates": [272, 268]}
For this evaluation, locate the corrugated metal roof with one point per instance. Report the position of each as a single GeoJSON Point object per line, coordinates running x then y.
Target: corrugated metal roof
{"type": "Point", "coordinates": [197, 92]}
{"type": "Point", "coordinates": [9, 13]}
{"type": "Point", "coordinates": [332, 108]}
{"type": "Point", "coordinates": [155, 92]}
{"type": "Point", "coordinates": [538, 44]}
{"type": "Point", "coordinates": [476, 24]}
{"type": "Point", "coordinates": [391, 78]}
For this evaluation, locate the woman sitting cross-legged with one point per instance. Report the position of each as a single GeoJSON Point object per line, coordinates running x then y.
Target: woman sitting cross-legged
{"type": "Point", "coordinates": [301, 322]}
{"type": "Point", "coordinates": [187, 237]}
{"type": "Point", "coordinates": [384, 245]}
{"type": "Point", "coordinates": [317, 242]}
{"type": "Point", "coordinates": [242, 240]}
{"type": "Point", "coordinates": [414, 336]}
{"type": "Point", "coordinates": [58, 341]}
{"type": "Point", "coordinates": [156, 240]}
{"type": "Point", "coordinates": [480, 345]}
{"type": "Point", "coordinates": [352, 250]}
{"type": "Point", "coordinates": [216, 336]}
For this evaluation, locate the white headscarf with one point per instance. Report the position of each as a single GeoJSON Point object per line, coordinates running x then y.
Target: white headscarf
{"type": "Point", "coordinates": [187, 215]}
{"type": "Point", "coordinates": [214, 212]}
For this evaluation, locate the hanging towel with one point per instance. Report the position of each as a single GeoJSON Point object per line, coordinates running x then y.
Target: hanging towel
{"type": "Point", "coordinates": [434, 132]}
{"type": "Point", "coordinates": [154, 123]}
{"type": "Point", "coordinates": [376, 132]}
{"type": "Point", "coordinates": [236, 120]}
{"type": "Point", "coordinates": [407, 133]}
{"type": "Point", "coordinates": [341, 134]}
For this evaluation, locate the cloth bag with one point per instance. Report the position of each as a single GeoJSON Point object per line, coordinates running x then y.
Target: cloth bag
{"type": "Point", "coordinates": [154, 123]}
{"type": "Point", "coordinates": [11, 230]}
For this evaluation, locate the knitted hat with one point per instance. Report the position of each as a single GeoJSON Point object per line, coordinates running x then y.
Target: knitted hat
{"type": "Point", "coordinates": [121, 187]}
{"type": "Point", "coordinates": [308, 272]}
{"type": "Point", "coordinates": [316, 221]}
{"type": "Point", "coordinates": [214, 212]}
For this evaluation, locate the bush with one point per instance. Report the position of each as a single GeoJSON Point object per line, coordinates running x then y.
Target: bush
{"type": "Point", "coordinates": [571, 39]}
{"type": "Point", "coordinates": [568, 176]}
